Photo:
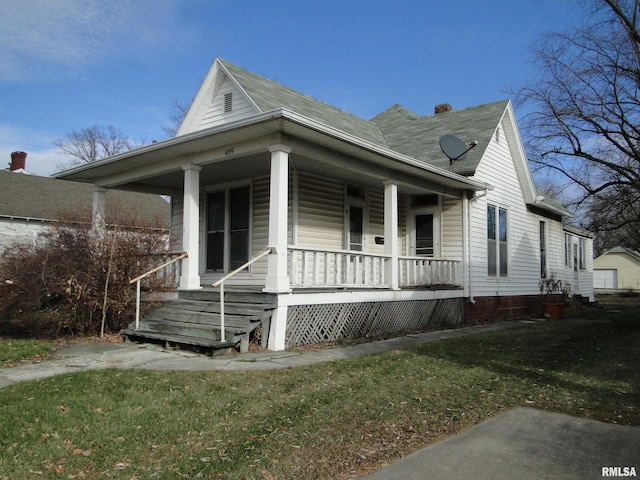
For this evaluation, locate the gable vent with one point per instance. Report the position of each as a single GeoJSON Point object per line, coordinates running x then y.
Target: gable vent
{"type": "Point", "coordinates": [228, 102]}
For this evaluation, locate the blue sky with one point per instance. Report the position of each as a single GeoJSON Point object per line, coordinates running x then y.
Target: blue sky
{"type": "Point", "coordinates": [69, 64]}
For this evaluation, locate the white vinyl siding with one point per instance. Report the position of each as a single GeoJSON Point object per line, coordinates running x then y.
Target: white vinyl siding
{"type": "Point", "coordinates": [376, 221]}
{"type": "Point", "coordinates": [451, 228]}
{"type": "Point", "coordinates": [260, 223]}
{"type": "Point", "coordinates": [498, 169]}
{"type": "Point", "coordinates": [216, 115]}
{"type": "Point", "coordinates": [320, 213]}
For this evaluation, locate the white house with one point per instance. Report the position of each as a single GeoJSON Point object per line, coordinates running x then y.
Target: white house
{"type": "Point", "coordinates": [366, 225]}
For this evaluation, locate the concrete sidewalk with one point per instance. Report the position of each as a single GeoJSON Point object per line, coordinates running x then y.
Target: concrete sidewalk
{"type": "Point", "coordinates": [528, 445]}
{"type": "Point", "coordinates": [153, 357]}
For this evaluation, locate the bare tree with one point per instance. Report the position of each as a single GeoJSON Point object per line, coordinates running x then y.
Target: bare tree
{"type": "Point", "coordinates": [585, 120]}
{"type": "Point", "coordinates": [90, 144]}
{"type": "Point", "coordinates": [180, 109]}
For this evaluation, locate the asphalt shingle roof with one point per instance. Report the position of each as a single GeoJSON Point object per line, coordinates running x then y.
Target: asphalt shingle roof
{"type": "Point", "coordinates": [397, 128]}
{"type": "Point", "coordinates": [269, 95]}
{"type": "Point", "coordinates": [43, 198]}
{"type": "Point", "coordinates": [419, 136]}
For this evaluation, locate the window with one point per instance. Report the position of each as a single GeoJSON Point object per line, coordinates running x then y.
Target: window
{"type": "Point", "coordinates": [567, 250]}
{"type": "Point", "coordinates": [543, 250]}
{"type": "Point", "coordinates": [497, 246]}
{"type": "Point", "coordinates": [355, 219]}
{"type": "Point", "coordinates": [228, 102]}
{"type": "Point", "coordinates": [228, 217]}
{"type": "Point", "coordinates": [582, 264]}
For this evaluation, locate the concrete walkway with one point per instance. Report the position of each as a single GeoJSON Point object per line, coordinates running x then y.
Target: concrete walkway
{"type": "Point", "coordinates": [528, 445]}
{"type": "Point", "coordinates": [153, 357]}
{"type": "Point", "coordinates": [522, 443]}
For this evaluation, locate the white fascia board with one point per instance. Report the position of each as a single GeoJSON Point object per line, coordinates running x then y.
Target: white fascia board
{"type": "Point", "coordinates": [527, 184]}
{"type": "Point", "coordinates": [280, 114]}
{"type": "Point", "coordinates": [237, 84]}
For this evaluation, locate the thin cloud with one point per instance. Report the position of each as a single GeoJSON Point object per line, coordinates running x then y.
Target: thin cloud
{"type": "Point", "coordinates": [42, 158]}
{"type": "Point", "coordinates": [59, 38]}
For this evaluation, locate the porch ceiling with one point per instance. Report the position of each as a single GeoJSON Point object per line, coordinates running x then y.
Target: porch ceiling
{"type": "Point", "coordinates": [219, 150]}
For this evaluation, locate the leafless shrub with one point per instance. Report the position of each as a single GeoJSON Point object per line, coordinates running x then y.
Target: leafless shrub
{"type": "Point", "coordinates": [60, 280]}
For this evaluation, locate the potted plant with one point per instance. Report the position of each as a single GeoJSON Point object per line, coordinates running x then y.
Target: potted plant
{"type": "Point", "coordinates": [555, 292]}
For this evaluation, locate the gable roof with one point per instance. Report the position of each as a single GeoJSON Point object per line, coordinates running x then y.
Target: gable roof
{"type": "Point", "coordinates": [267, 95]}
{"type": "Point", "coordinates": [632, 253]}
{"type": "Point", "coordinates": [47, 199]}
{"type": "Point", "coordinates": [397, 128]}
{"type": "Point", "coordinates": [419, 136]}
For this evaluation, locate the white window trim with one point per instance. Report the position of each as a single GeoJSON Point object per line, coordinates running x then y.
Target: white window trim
{"type": "Point", "coordinates": [437, 231]}
{"type": "Point", "coordinates": [361, 203]}
{"type": "Point", "coordinates": [498, 207]}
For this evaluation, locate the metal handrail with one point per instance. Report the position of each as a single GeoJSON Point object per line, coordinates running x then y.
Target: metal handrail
{"type": "Point", "coordinates": [227, 277]}
{"type": "Point", "coordinates": [146, 274]}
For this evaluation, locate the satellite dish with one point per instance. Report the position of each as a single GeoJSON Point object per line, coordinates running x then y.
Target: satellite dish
{"type": "Point", "coordinates": [454, 148]}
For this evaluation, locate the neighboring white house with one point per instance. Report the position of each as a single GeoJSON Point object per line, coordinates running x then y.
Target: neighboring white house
{"type": "Point", "coordinates": [29, 204]}
{"type": "Point", "coordinates": [617, 269]}
{"type": "Point", "coordinates": [371, 226]}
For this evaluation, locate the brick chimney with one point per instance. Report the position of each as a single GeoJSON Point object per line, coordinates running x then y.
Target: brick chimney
{"type": "Point", "coordinates": [18, 161]}
{"type": "Point", "coordinates": [443, 107]}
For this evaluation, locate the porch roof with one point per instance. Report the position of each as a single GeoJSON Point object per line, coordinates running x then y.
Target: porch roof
{"type": "Point", "coordinates": [158, 167]}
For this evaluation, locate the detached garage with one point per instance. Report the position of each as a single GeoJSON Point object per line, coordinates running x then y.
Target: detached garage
{"type": "Point", "coordinates": [617, 269]}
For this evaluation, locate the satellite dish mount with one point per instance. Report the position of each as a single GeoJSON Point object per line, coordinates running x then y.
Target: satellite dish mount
{"type": "Point", "coordinates": [454, 148]}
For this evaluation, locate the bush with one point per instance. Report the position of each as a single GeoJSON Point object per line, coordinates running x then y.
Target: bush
{"type": "Point", "coordinates": [57, 285]}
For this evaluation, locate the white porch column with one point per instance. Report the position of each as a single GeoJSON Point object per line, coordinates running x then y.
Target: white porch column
{"type": "Point", "coordinates": [98, 214]}
{"type": "Point", "coordinates": [391, 232]}
{"type": "Point", "coordinates": [277, 279]}
{"type": "Point", "coordinates": [190, 277]}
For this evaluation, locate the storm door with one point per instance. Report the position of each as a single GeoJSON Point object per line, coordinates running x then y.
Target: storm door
{"type": "Point", "coordinates": [228, 215]}
{"type": "Point", "coordinates": [425, 241]}
{"type": "Point", "coordinates": [425, 244]}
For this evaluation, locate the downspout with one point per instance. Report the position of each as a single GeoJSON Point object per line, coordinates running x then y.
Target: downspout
{"type": "Point", "coordinates": [470, 243]}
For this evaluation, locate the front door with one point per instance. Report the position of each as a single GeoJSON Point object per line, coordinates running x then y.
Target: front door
{"type": "Point", "coordinates": [425, 242]}
{"type": "Point", "coordinates": [228, 214]}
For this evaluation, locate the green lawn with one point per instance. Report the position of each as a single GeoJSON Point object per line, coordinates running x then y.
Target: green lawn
{"type": "Point", "coordinates": [332, 420]}
{"type": "Point", "coordinates": [14, 351]}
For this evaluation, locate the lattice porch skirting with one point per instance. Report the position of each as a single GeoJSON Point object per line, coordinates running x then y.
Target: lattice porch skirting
{"type": "Point", "coordinates": [310, 324]}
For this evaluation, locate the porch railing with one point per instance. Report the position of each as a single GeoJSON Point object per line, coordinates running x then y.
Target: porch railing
{"type": "Point", "coordinates": [426, 271]}
{"type": "Point", "coordinates": [220, 283]}
{"type": "Point", "coordinates": [330, 268]}
{"type": "Point", "coordinates": [310, 267]}
{"type": "Point", "coordinates": [146, 274]}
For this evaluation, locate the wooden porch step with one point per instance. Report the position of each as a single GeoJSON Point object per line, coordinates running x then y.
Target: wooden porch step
{"type": "Point", "coordinates": [194, 318]}
{"type": "Point", "coordinates": [204, 318]}
{"type": "Point", "coordinates": [178, 339]}
{"type": "Point", "coordinates": [230, 296]}
{"type": "Point", "coordinates": [230, 308]}
{"type": "Point", "coordinates": [177, 327]}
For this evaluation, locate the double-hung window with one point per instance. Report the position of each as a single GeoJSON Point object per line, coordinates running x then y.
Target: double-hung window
{"type": "Point", "coordinates": [497, 242]}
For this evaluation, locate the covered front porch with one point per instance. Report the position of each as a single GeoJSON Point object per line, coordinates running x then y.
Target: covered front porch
{"type": "Point", "coordinates": [345, 222]}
